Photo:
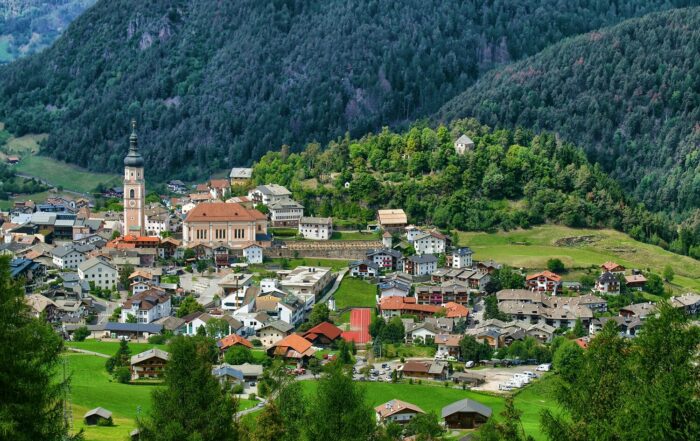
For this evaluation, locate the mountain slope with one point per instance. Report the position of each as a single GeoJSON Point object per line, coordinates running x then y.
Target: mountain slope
{"type": "Point", "coordinates": [217, 83]}
{"type": "Point", "coordinates": [27, 26]}
{"type": "Point", "coordinates": [630, 95]}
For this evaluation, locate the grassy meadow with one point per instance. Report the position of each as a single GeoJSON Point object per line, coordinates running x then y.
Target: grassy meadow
{"type": "Point", "coordinates": [580, 249]}
{"type": "Point", "coordinates": [355, 292]}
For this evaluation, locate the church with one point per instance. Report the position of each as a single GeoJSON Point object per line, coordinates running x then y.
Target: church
{"type": "Point", "coordinates": [134, 188]}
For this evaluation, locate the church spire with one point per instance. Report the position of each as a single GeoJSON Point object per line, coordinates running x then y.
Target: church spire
{"type": "Point", "coordinates": [134, 158]}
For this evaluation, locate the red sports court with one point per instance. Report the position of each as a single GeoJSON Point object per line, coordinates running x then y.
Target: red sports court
{"type": "Point", "coordinates": [360, 319]}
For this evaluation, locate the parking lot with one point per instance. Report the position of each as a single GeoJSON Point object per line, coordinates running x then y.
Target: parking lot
{"type": "Point", "coordinates": [500, 375]}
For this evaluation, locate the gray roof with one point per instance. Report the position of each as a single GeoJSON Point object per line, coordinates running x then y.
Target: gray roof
{"type": "Point", "coordinates": [464, 251]}
{"type": "Point", "coordinates": [316, 220]}
{"type": "Point", "coordinates": [369, 263]}
{"type": "Point", "coordinates": [464, 139]}
{"type": "Point", "coordinates": [241, 173]}
{"type": "Point", "coordinates": [285, 203]}
{"type": "Point", "coordinates": [607, 277]}
{"type": "Point", "coordinates": [63, 251]}
{"type": "Point", "coordinates": [466, 405]}
{"type": "Point", "coordinates": [145, 355]}
{"type": "Point", "coordinates": [424, 258]}
{"type": "Point", "coordinates": [226, 370]}
{"type": "Point", "coordinates": [43, 218]}
{"type": "Point", "coordinates": [389, 252]}
{"type": "Point", "coordinates": [151, 328]}
{"type": "Point", "coordinates": [93, 262]}
{"type": "Point", "coordinates": [280, 325]}
{"type": "Point", "coordinates": [273, 189]}
{"type": "Point", "coordinates": [249, 370]}
{"type": "Point", "coordinates": [99, 411]}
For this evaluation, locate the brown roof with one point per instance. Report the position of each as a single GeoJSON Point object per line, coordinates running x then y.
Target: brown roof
{"type": "Point", "coordinates": [392, 217]}
{"type": "Point", "coordinates": [202, 187]}
{"type": "Point", "coordinates": [293, 345]}
{"type": "Point", "coordinates": [222, 212]}
{"type": "Point", "coordinates": [233, 340]}
{"type": "Point", "coordinates": [219, 183]}
{"type": "Point", "coordinates": [417, 366]}
{"type": "Point", "coordinates": [406, 304]}
{"type": "Point", "coordinates": [148, 299]}
{"type": "Point", "coordinates": [548, 274]}
{"type": "Point", "coordinates": [326, 329]}
{"type": "Point", "coordinates": [396, 406]}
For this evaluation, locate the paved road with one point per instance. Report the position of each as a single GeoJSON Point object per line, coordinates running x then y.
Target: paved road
{"type": "Point", "coordinates": [258, 406]}
{"type": "Point", "coordinates": [83, 351]}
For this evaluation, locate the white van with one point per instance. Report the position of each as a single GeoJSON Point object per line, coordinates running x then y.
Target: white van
{"type": "Point", "coordinates": [544, 367]}
{"type": "Point", "coordinates": [530, 374]}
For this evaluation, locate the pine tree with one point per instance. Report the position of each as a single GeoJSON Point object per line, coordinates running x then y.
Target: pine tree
{"type": "Point", "coordinates": [31, 407]}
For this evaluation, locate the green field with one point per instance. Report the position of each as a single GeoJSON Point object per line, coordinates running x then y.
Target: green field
{"type": "Point", "coordinates": [354, 235]}
{"type": "Point", "coordinates": [110, 347]}
{"type": "Point", "coordinates": [355, 292]}
{"type": "Point", "coordinates": [532, 400]}
{"type": "Point", "coordinates": [62, 174]}
{"type": "Point", "coordinates": [578, 249]}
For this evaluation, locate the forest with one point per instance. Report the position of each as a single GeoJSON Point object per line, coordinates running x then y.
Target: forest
{"type": "Point", "coordinates": [629, 95]}
{"type": "Point", "coordinates": [511, 179]}
{"type": "Point", "coordinates": [215, 84]}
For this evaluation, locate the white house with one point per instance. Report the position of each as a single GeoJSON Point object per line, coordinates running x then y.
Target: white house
{"type": "Point", "coordinates": [421, 265]}
{"type": "Point", "coordinates": [102, 273]}
{"type": "Point", "coordinates": [396, 411]}
{"type": "Point", "coordinates": [316, 228]}
{"type": "Point", "coordinates": [267, 194]}
{"type": "Point", "coordinates": [363, 268]}
{"type": "Point", "coordinates": [412, 232]}
{"type": "Point", "coordinates": [461, 258]}
{"type": "Point", "coordinates": [285, 212]}
{"type": "Point", "coordinates": [253, 253]}
{"type": "Point", "coordinates": [157, 222]}
{"type": "Point", "coordinates": [147, 306]}
{"type": "Point", "coordinates": [463, 144]}
{"type": "Point", "coordinates": [385, 258]}
{"type": "Point", "coordinates": [431, 242]}
{"type": "Point", "coordinates": [423, 331]}
{"type": "Point", "coordinates": [67, 257]}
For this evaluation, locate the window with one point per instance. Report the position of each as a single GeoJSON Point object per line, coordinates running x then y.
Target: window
{"type": "Point", "coordinates": [131, 193]}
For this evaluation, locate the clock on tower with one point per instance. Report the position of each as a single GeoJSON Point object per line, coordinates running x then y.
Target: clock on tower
{"type": "Point", "coordinates": [134, 188]}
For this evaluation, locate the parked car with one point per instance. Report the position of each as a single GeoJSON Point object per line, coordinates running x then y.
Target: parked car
{"type": "Point", "coordinates": [469, 364]}
{"type": "Point", "coordinates": [545, 367]}
{"type": "Point", "coordinates": [530, 374]}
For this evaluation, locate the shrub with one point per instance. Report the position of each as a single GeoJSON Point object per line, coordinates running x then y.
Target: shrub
{"type": "Point", "coordinates": [81, 333]}
{"type": "Point", "coordinates": [252, 396]}
{"type": "Point", "coordinates": [237, 389]}
{"type": "Point", "coordinates": [122, 374]}
{"type": "Point", "coordinates": [105, 422]}
{"type": "Point", "coordinates": [157, 339]}
{"type": "Point", "coordinates": [256, 343]}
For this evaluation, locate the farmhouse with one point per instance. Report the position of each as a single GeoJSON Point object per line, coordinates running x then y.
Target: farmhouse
{"type": "Point", "coordinates": [546, 281]}
{"type": "Point", "coordinates": [274, 332]}
{"type": "Point", "coordinates": [607, 283]}
{"type": "Point", "coordinates": [292, 348]}
{"type": "Point", "coordinates": [435, 370]}
{"type": "Point", "coordinates": [392, 219]}
{"type": "Point", "coordinates": [465, 414]}
{"type": "Point", "coordinates": [635, 281]}
{"type": "Point", "coordinates": [396, 411]}
{"type": "Point", "coordinates": [240, 176]}
{"type": "Point", "coordinates": [613, 268]}
{"type": "Point", "coordinates": [149, 364]}
{"type": "Point", "coordinates": [364, 268]}
{"type": "Point", "coordinates": [323, 334]}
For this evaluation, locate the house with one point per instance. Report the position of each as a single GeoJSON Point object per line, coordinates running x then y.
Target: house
{"type": "Point", "coordinates": [69, 256]}
{"type": "Point", "coordinates": [133, 331]}
{"type": "Point", "coordinates": [424, 332]}
{"type": "Point", "coordinates": [607, 283]}
{"type": "Point", "coordinates": [613, 268]}
{"type": "Point", "coordinates": [147, 306]}
{"type": "Point", "coordinates": [396, 306]}
{"type": "Point", "coordinates": [219, 223]}
{"type": "Point", "coordinates": [285, 212]}
{"type": "Point", "coordinates": [639, 310]}
{"type": "Point", "coordinates": [149, 364]}
{"type": "Point", "coordinates": [157, 221]}
{"type": "Point", "coordinates": [546, 281]}
{"type": "Point", "coordinates": [94, 416]}
{"type": "Point", "coordinates": [241, 176]}
{"type": "Point", "coordinates": [237, 290]}
{"type": "Point", "coordinates": [434, 370]}
{"type": "Point", "coordinates": [267, 194]}
{"type": "Point", "coordinates": [690, 303]}
{"type": "Point", "coordinates": [219, 188]}
{"type": "Point", "coordinates": [316, 228]}
{"type": "Point", "coordinates": [386, 258]}
{"type": "Point", "coordinates": [431, 242]}
{"type": "Point", "coordinates": [488, 266]}
{"type": "Point", "coordinates": [422, 265]}
{"type": "Point", "coordinates": [323, 334]}
{"type": "Point", "coordinates": [200, 319]}
{"type": "Point", "coordinates": [439, 295]}
{"type": "Point", "coordinates": [308, 282]}
{"type": "Point", "coordinates": [455, 310]}
{"type": "Point", "coordinates": [396, 411]}
{"type": "Point", "coordinates": [227, 374]}
{"type": "Point", "coordinates": [177, 186]}
{"type": "Point", "coordinates": [363, 268]}
{"type": "Point", "coordinates": [394, 288]}
{"type": "Point", "coordinates": [251, 372]}
{"type": "Point", "coordinates": [537, 307]}
{"type": "Point", "coordinates": [447, 345]}
{"type": "Point", "coordinates": [627, 326]}
{"type": "Point", "coordinates": [460, 258]}
{"type": "Point", "coordinates": [279, 305]}
{"type": "Point", "coordinates": [463, 144]}
{"type": "Point", "coordinates": [292, 348]}
{"type": "Point", "coordinates": [103, 274]}
{"type": "Point", "coordinates": [635, 281]}
{"type": "Point", "coordinates": [274, 332]}
{"type": "Point", "coordinates": [253, 253]}
{"type": "Point", "coordinates": [392, 219]}
{"type": "Point", "coordinates": [232, 340]}
{"type": "Point", "coordinates": [172, 324]}
{"type": "Point", "coordinates": [465, 414]}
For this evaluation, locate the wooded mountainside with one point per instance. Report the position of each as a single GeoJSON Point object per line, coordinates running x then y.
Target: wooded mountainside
{"type": "Point", "coordinates": [629, 95]}
{"type": "Point", "coordinates": [214, 84]}
{"type": "Point", "coordinates": [511, 179]}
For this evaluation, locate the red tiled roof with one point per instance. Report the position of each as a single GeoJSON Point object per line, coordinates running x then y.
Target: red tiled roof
{"type": "Point", "coordinates": [326, 329]}
{"type": "Point", "coordinates": [219, 183]}
{"type": "Point", "coordinates": [548, 274]}
{"type": "Point", "coordinates": [609, 266]}
{"type": "Point", "coordinates": [455, 310]}
{"type": "Point", "coordinates": [233, 340]}
{"type": "Point", "coordinates": [295, 342]}
{"type": "Point", "coordinates": [406, 304]}
{"type": "Point", "coordinates": [222, 212]}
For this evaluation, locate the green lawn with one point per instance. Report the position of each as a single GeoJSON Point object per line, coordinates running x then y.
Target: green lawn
{"type": "Point", "coordinates": [110, 347]}
{"type": "Point", "coordinates": [354, 235]}
{"type": "Point", "coordinates": [355, 292]}
{"type": "Point", "coordinates": [247, 404]}
{"type": "Point", "coordinates": [63, 174]}
{"type": "Point", "coordinates": [532, 400]}
{"type": "Point", "coordinates": [92, 386]}
{"type": "Point", "coordinates": [532, 248]}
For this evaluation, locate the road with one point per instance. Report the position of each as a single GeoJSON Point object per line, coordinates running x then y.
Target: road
{"type": "Point", "coordinates": [104, 309]}
{"type": "Point", "coordinates": [335, 286]}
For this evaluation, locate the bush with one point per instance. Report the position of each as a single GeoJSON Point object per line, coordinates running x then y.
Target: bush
{"type": "Point", "coordinates": [81, 333]}
{"type": "Point", "coordinates": [157, 339]}
{"type": "Point", "coordinates": [238, 388]}
{"type": "Point", "coordinates": [252, 397]}
{"type": "Point", "coordinates": [256, 343]}
{"type": "Point", "coordinates": [105, 422]}
{"type": "Point", "coordinates": [122, 375]}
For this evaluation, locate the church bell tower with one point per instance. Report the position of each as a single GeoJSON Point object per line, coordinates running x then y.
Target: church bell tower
{"type": "Point", "coordinates": [134, 188]}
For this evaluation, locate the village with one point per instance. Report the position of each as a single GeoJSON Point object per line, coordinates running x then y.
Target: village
{"type": "Point", "coordinates": [400, 302]}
